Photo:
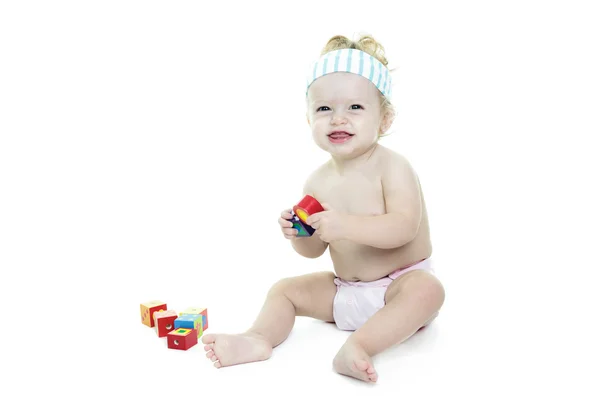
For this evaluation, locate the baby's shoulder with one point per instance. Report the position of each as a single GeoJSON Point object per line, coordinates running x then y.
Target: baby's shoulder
{"type": "Point", "coordinates": [391, 160]}
{"type": "Point", "coordinates": [395, 169]}
{"type": "Point", "coordinates": [316, 178]}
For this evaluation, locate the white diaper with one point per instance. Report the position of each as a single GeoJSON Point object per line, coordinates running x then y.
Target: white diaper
{"type": "Point", "coordinates": [356, 302]}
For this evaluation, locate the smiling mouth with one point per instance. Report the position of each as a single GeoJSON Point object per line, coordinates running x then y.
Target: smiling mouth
{"type": "Point", "coordinates": [340, 135]}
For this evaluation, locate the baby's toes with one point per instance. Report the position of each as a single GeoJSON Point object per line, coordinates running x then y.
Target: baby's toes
{"type": "Point", "coordinates": [372, 376]}
{"type": "Point", "coordinates": [361, 365]}
{"type": "Point", "coordinates": [208, 339]}
{"type": "Point", "coordinates": [210, 354]}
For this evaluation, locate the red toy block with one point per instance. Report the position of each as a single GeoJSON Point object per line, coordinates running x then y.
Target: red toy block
{"type": "Point", "coordinates": [306, 207]}
{"type": "Point", "coordinates": [148, 309]}
{"type": "Point", "coordinates": [164, 322]}
{"type": "Point", "coordinates": [204, 318]}
{"type": "Point", "coordinates": [301, 211]}
{"type": "Point", "coordinates": [182, 339]}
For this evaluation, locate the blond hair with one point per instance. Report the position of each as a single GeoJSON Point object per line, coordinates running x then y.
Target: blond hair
{"type": "Point", "coordinates": [370, 46]}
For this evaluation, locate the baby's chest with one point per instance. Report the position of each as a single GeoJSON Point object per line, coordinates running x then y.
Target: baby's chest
{"type": "Point", "coordinates": [357, 197]}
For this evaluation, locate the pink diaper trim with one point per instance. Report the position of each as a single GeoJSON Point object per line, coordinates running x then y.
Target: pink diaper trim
{"type": "Point", "coordinates": [384, 282]}
{"type": "Point", "coordinates": [423, 264]}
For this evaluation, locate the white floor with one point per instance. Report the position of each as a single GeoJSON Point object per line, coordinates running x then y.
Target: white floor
{"type": "Point", "coordinates": [514, 339]}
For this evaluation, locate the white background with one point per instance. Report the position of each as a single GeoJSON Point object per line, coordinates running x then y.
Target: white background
{"type": "Point", "coordinates": [147, 148]}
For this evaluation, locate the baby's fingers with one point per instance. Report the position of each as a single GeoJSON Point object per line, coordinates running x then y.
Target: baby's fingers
{"type": "Point", "coordinates": [289, 233]}
{"type": "Point", "coordinates": [284, 223]}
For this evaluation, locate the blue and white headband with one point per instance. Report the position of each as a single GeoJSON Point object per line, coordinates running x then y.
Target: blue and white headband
{"type": "Point", "coordinates": [354, 61]}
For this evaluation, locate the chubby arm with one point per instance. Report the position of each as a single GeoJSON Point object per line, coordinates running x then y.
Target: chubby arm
{"type": "Point", "coordinates": [401, 222]}
{"type": "Point", "coordinates": [312, 246]}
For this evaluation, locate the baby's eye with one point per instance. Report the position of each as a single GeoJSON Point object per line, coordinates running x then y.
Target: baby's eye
{"type": "Point", "coordinates": [356, 105]}
{"type": "Point", "coordinates": [320, 108]}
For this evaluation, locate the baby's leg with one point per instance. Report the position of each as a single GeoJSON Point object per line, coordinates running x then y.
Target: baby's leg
{"type": "Point", "coordinates": [308, 295]}
{"type": "Point", "coordinates": [412, 301]}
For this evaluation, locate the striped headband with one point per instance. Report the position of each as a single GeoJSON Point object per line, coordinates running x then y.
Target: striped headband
{"type": "Point", "coordinates": [354, 61]}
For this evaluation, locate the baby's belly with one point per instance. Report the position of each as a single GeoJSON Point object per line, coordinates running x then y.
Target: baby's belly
{"type": "Point", "coordinates": [364, 263]}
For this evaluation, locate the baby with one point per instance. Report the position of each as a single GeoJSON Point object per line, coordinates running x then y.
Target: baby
{"type": "Point", "coordinates": [374, 224]}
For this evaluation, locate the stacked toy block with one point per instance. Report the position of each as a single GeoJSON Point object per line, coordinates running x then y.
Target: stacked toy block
{"type": "Point", "coordinates": [198, 311]}
{"type": "Point", "coordinates": [300, 213]}
{"type": "Point", "coordinates": [182, 331]}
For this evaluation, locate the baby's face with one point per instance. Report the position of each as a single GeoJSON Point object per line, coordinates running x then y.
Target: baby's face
{"type": "Point", "coordinates": [344, 113]}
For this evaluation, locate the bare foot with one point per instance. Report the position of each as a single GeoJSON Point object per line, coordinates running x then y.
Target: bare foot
{"type": "Point", "coordinates": [225, 350]}
{"type": "Point", "coordinates": [352, 360]}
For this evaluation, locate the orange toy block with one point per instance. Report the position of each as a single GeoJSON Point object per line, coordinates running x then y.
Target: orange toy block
{"type": "Point", "coordinates": [182, 339]}
{"type": "Point", "coordinates": [148, 309]}
{"type": "Point", "coordinates": [164, 322]}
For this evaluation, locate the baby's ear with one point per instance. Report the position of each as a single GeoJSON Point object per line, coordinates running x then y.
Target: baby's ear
{"type": "Point", "coordinates": [386, 122]}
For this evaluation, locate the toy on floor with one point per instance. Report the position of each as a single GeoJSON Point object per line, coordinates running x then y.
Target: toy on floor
{"type": "Point", "coordinates": [190, 321]}
{"type": "Point", "coordinates": [201, 311]}
{"type": "Point", "coordinates": [164, 322]}
{"type": "Point", "coordinates": [301, 211]}
{"type": "Point", "coordinates": [148, 309]}
{"type": "Point", "coordinates": [182, 339]}
{"type": "Point", "coordinates": [182, 331]}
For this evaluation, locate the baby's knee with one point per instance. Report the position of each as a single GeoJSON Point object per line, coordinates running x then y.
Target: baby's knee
{"type": "Point", "coordinates": [431, 290]}
{"type": "Point", "coordinates": [293, 288]}
{"type": "Point", "coordinates": [281, 287]}
{"type": "Point", "coordinates": [422, 285]}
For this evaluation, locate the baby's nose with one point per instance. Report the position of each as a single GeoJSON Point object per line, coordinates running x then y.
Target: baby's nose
{"type": "Point", "coordinates": [338, 118]}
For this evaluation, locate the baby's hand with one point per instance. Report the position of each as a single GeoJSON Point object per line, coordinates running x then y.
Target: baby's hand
{"type": "Point", "coordinates": [286, 224]}
{"type": "Point", "coordinates": [330, 225]}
